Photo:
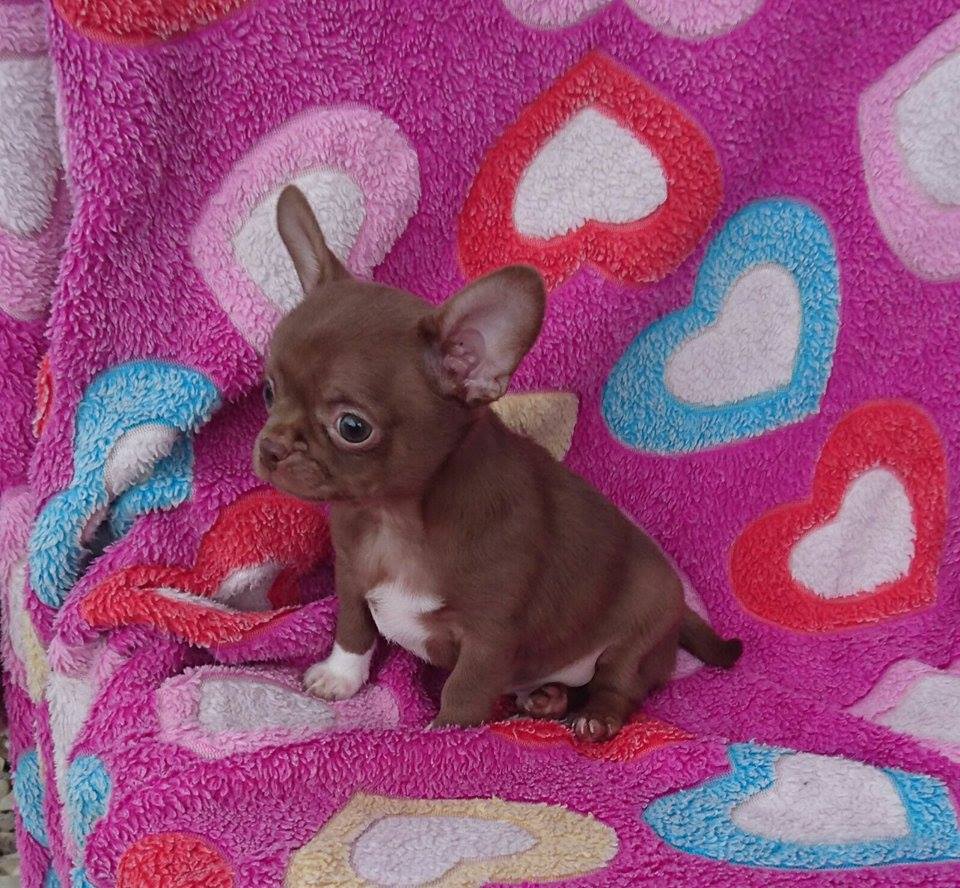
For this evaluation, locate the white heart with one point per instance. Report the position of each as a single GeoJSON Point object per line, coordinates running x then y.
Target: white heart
{"type": "Point", "coordinates": [29, 152]}
{"type": "Point", "coordinates": [926, 125]}
{"type": "Point", "coordinates": [552, 15]}
{"type": "Point", "coordinates": [929, 709]}
{"type": "Point", "coordinates": [362, 178]}
{"type": "Point", "coordinates": [750, 349]}
{"type": "Point", "coordinates": [70, 700]}
{"type": "Point", "coordinates": [822, 799]}
{"type": "Point", "coordinates": [136, 452]}
{"type": "Point", "coordinates": [406, 850]}
{"type": "Point", "coordinates": [240, 705]}
{"type": "Point", "coordinates": [181, 597]}
{"type": "Point", "coordinates": [870, 541]}
{"type": "Point", "coordinates": [592, 168]}
{"type": "Point", "coordinates": [247, 588]}
{"type": "Point", "coordinates": [337, 202]}
{"type": "Point", "coordinates": [687, 663]}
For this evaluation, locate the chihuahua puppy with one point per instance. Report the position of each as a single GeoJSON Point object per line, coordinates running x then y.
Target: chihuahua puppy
{"type": "Point", "coordinates": [456, 538]}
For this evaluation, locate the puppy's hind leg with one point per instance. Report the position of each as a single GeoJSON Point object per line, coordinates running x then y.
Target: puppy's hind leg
{"type": "Point", "coordinates": [623, 679]}
{"type": "Point", "coordinates": [547, 701]}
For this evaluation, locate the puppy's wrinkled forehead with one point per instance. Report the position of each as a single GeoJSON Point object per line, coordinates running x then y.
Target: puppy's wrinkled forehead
{"type": "Point", "coordinates": [354, 341]}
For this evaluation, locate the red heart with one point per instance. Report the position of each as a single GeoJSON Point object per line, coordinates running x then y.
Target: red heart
{"type": "Point", "coordinates": [641, 735]}
{"type": "Point", "coordinates": [895, 435]}
{"type": "Point", "coordinates": [173, 859]}
{"type": "Point", "coordinates": [641, 251]}
{"type": "Point", "coordinates": [261, 526]}
{"type": "Point", "coordinates": [135, 22]}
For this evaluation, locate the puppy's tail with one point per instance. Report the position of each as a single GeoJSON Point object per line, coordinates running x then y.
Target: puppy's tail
{"type": "Point", "coordinates": [698, 637]}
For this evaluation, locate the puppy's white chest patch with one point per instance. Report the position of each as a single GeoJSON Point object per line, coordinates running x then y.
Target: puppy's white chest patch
{"type": "Point", "coordinates": [399, 614]}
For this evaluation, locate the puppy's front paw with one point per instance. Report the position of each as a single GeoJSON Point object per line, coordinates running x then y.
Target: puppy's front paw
{"type": "Point", "coordinates": [329, 681]}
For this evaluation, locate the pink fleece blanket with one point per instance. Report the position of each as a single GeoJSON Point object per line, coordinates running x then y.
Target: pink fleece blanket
{"type": "Point", "coordinates": [748, 215]}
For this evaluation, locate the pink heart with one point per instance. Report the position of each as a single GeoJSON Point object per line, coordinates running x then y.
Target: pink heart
{"type": "Point", "coordinates": [356, 156]}
{"type": "Point", "coordinates": [217, 711]}
{"type": "Point", "coordinates": [910, 180]}
{"type": "Point", "coordinates": [686, 19]}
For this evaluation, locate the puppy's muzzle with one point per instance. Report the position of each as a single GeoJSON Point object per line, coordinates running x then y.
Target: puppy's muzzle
{"type": "Point", "coordinates": [273, 452]}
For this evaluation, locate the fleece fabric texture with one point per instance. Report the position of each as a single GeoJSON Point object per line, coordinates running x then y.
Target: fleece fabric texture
{"type": "Point", "coordinates": [748, 217]}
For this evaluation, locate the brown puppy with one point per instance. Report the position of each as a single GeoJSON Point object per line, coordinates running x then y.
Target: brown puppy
{"type": "Point", "coordinates": [456, 538]}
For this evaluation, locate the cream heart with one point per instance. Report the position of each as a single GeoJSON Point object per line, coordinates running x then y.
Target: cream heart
{"type": "Point", "coordinates": [337, 201]}
{"type": "Point", "coordinates": [450, 843]}
{"type": "Point", "coordinates": [926, 126]}
{"type": "Point", "coordinates": [821, 799]}
{"type": "Point", "coordinates": [750, 349]}
{"type": "Point", "coordinates": [29, 152]}
{"type": "Point", "coordinates": [929, 709]}
{"type": "Point", "coordinates": [408, 850]}
{"type": "Point", "coordinates": [592, 169]}
{"type": "Point", "coordinates": [23, 637]}
{"type": "Point", "coordinates": [547, 417]}
{"type": "Point", "coordinates": [870, 541]}
{"type": "Point", "coordinates": [231, 704]}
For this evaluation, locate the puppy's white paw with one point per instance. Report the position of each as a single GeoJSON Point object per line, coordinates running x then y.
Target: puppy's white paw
{"type": "Point", "coordinates": [324, 681]}
{"type": "Point", "coordinates": [338, 677]}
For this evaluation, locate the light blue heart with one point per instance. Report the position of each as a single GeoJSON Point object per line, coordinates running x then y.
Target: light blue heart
{"type": "Point", "coordinates": [28, 793]}
{"type": "Point", "coordinates": [115, 402]}
{"type": "Point", "coordinates": [168, 485]}
{"type": "Point", "coordinates": [637, 405]}
{"type": "Point", "coordinates": [698, 821]}
{"type": "Point", "coordinates": [87, 795]}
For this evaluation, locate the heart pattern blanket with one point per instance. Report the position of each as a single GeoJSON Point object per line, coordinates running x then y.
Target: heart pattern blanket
{"type": "Point", "coordinates": [747, 213]}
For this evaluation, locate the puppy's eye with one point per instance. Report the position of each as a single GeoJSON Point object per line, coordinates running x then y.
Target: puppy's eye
{"type": "Point", "coordinates": [268, 394]}
{"type": "Point", "coordinates": [353, 429]}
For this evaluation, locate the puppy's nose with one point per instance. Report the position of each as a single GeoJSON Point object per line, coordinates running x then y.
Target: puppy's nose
{"type": "Point", "coordinates": [273, 451]}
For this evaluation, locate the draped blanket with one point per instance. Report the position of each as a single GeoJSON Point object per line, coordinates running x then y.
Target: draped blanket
{"type": "Point", "coordinates": [747, 213]}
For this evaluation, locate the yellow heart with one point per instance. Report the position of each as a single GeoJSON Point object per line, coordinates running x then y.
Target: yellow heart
{"type": "Point", "coordinates": [549, 418]}
{"type": "Point", "coordinates": [548, 842]}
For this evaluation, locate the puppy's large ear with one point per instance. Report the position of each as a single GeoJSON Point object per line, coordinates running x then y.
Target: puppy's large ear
{"type": "Point", "coordinates": [477, 338]}
{"type": "Point", "coordinates": [312, 258]}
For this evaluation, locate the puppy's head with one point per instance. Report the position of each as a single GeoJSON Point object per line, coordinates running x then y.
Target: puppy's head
{"type": "Point", "coordinates": [370, 388]}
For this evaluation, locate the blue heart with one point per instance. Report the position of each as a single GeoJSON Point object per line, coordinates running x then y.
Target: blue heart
{"type": "Point", "coordinates": [87, 795]}
{"type": "Point", "coordinates": [699, 821]}
{"type": "Point", "coordinates": [28, 792]}
{"type": "Point", "coordinates": [168, 486]}
{"type": "Point", "coordinates": [639, 408]}
{"type": "Point", "coordinates": [117, 401]}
